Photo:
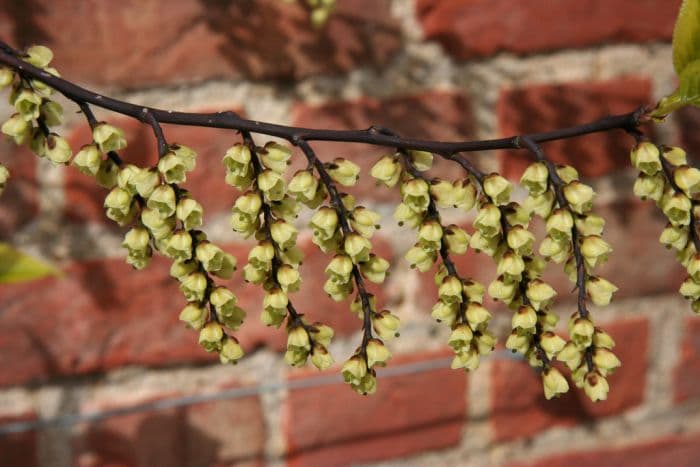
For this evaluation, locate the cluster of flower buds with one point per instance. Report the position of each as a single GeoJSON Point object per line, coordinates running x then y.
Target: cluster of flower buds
{"type": "Point", "coordinates": [573, 237]}
{"type": "Point", "coordinates": [35, 112]}
{"type": "Point", "coordinates": [666, 178]}
{"type": "Point", "coordinates": [267, 209]}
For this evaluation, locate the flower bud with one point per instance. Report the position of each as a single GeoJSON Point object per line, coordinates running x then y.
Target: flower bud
{"type": "Point", "coordinates": [51, 112]}
{"type": "Point", "coordinates": [385, 324]}
{"type": "Point", "coordinates": [180, 269]}
{"type": "Point", "coordinates": [511, 266]}
{"type": "Point", "coordinates": [579, 196]}
{"type": "Point", "coordinates": [600, 290]}
{"type": "Point", "coordinates": [535, 178]}
{"type": "Point", "coordinates": [674, 237]}
{"type": "Point", "coordinates": [357, 247]}
{"type": "Point", "coordinates": [106, 176]}
{"type": "Point", "coordinates": [275, 156]}
{"type": "Point", "coordinates": [690, 289]}
{"type": "Point", "coordinates": [488, 220]}
{"type": "Point", "coordinates": [324, 223]}
{"type": "Point", "coordinates": [364, 221]}
{"type": "Point", "coordinates": [57, 150]}
{"type": "Point", "coordinates": [416, 194]}
{"type": "Point", "coordinates": [430, 235]}
{"type": "Point", "coordinates": [464, 194]}
{"type": "Point", "coordinates": [211, 336]}
{"type": "Point", "coordinates": [525, 318]}
{"type": "Point", "coordinates": [687, 179]}
{"type": "Point", "coordinates": [28, 104]}
{"type": "Point", "coordinates": [303, 186]}
{"type": "Point", "coordinates": [596, 386]}
{"type": "Point", "coordinates": [237, 160]}
{"type": "Point", "coordinates": [444, 312]}
{"type": "Point", "coordinates": [298, 337]}
{"type": "Point", "coordinates": [483, 244]}
{"type": "Point", "coordinates": [460, 338]}
{"type": "Point", "coordinates": [595, 250]}
{"type": "Point", "coordinates": [420, 258]}
{"type": "Point", "coordinates": [375, 269]}
{"type": "Point", "coordinates": [179, 246]}
{"type": "Point", "coordinates": [540, 294]}
{"type": "Point", "coordinates": [377, 353]}
{"type": "Point", "coordinates": [387, 171]}
{"type": "Point", "coordinates": [675, 155]}
{"type": "Point", "coordinates": [17, 128]}
{"type": "Point", "coordinates": [283, 234]}
{"type": "Point", "coordinates": [468, 360]}
{"type": "Point", "coordinates": [497, 188]}
{"type": "Point", "coordinates": [477, 315]}
{"type": "Point", "coordinates": [343, 171]}
{"type": "Point", "coordinates": [271, 184]}
{"type": "Point", "coordinates": [118, 206]}
{"type": "Point", "coordinates": [443, 192]}
{"type": "Point", "coordinates": [108, 137]}
{"type": "Point", "coordinates": [567, 173]}
{"type": "Point", "coordinates": [215, 260]}
{"type": "Point", "coordinates": [551, 344]}
{"type": "Point", "coordinates": [457, 239]}
{"type": "Point", "coordinates": [39, 56]}
{"type": "Point", "coordinates": [193, 286]}
{"type": "Point", "coordinates": [581, 330]}
{"type": "Point", "coordinates": [554, 383]}
{"type": "Point", "coordinates": [559, 225]}
{"type": "Point", "coordinates": [645, 157]}
{"type": "Point", "coordinates": [190, 213]}
{"type": "Point", "coordinates": [485, 342]}
{"type": "Point", "coordinates": [231, 351]}
{"type": "Point", "coordinates": [450, 290]}
{"type": "Point", "coordinates": [606, 361]}
{"type": "Point", "coordinates": [649, 186]}
{"type": "Point", "coordinates": [422, 160]}
{"type": "Point", "coordinates": [172, 168]}
{"type": "Point", "coordinates": [540, 205]}
{"type": "Point", "coordinates": [354, 370]}
{"type": "Point", "coordinates": [162, 200]}
{"type": "Point", "coordinates": [227, 309]}
{"type": "Point", "coordinates": [519, 341]}
{"type": "Point", "coordinates": [320, 357]}
{"type": "Point", "coordinates": [405, 215]}
{"type": "Point", "coordinates": [570, 355]}
{"type": "Point", "coordinates": [590, 224]}
{"type": "Point", "coordinates": [194, 316]}
{"type": "Point", "coordinates": [7, 76]}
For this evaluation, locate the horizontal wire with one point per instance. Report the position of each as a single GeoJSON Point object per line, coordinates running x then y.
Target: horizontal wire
{"type": "Point", "coordinates": [67, 420]}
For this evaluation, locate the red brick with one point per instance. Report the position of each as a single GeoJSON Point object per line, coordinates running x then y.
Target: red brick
{"type": "Point", "coordinates": [84, 198]}
{"type": "Point", "coordinates": [220, 433]}
{"type": "Point", "coordinates": [19, 203]}
{"type": "Point", "coordinates": [332, 425]}
{"type": "Point", "coordinates": [479, 28]}
{"type": "Point", "coordinates": [117, 43]}
{"type": "Point", "coordinates": [688, 369]}
{"type": "Point", "coordinates": [518, 403]}
{"type": "Point", "coordinates": [431, 115]}
{"type": "Point", "coordinates": [102, 314]}
{"type": "Point", "coordinates": [19, 448]}
{"type": "Point", "coordinates": [676, 450]}
{"type": "Point", "coordinates": [546, 107]}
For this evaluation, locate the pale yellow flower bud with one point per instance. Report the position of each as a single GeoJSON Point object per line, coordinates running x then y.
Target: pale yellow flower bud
{"type": "Point", "coordinates": [354, 370]}
{"type": "Point", "coordinates": [540, 294]}
{"type": "Point", "coordinates": [567, 173]}
{"type": "Point", "coordinates": [17, 128]}
{"type": "Point", "coordinates": [172, 168]}
{"type": "Point", "coordinates": [497, 188]}
{"type": "Point", "coordinates": [385, 324]}
{"type": "Point", "coordinates": [7, 76]}
{"type": "Point", "coordinates": [322, 334]}
{"type": "Point", "coordinates": [190, 213]}
{"type": "Point", "coordinates": [554, 383]}
{"type": "Point", "coordinates": [430, 235]}
{"type": "Point", "coordinates": [416, 194]}
{"type": "Point", "coordinates": [525, 318]}
{"type": "Point", "coordinates": [511, 266]}
{"type": "Point", "coordinates": [535, 178]}
{"type": "Point", "coordinates": [690, 289]}
{"type": "Point", "coordinates": [231, 351]}
{"type": "Point", "coordinates": [364, 221]}
{"type": "Point", "coordinates": [193, 286]}
{"type": "Point", "coordinates": [163, 201]}
{"type": "Point", "coordinates": [579, 196]}
{"type": "Point", "coordinates": [457, 239]}
{"type": "Point", "coordinates": [483, 244]}
{"type": "Point", "coordinates": [468, 360]}
{"type": "Point", "coordinates": [303, 186]}
{"type": "Point", "coordinates": [194, 316]}
{"type": "Point", "coordinates": [357, 247]}
{"type": "Point", "coordinates": [405, 215]}
{"type": "Point", "coordinates": [519, 341]}
{"type": "Point", "coordinates": [375, 269]}
{"type": "Point", "coordinates": [387, 170]}
{"type": "Point", "coordinates": [464, 194]}
{"type": "Point", "coordinates": [180, 269]}
{"type": "Point", "coordinates": [600, 290]}
{"type": "Point", "coordinates": [211, 336]}
{"type": "Point", "coordinates": [118, 206]}
{"type": "Point", "coordinates": [28, 104]}
{"type": "Point", "coordinates": [687, 179]}
{"type": "Point", "coordinates": [674, 237]}
{"type": "Point", "coordinates": [503, 289]}
{"type": "Point", "coordinates": [275, 156]}
{"type": "Point", "coordinates": [51, 112]}
{"type": "Point", "coordinates": [559, 225]}
{"type": "Point", "coordinates": [320, 357]}
{"type": "Point", "coordinates": [595, 250]}
{"type": "Point", "coordinates": [324, 223]}
{"type": "Point", "coordinates": [540, 205]}
{"type": "Point", "coordinates": [581, 330]}
{"type": "Point", "coordinates": [377, 353]}
{"type": "Point", "coordinates": [675, 155]}
{"type": "Point", "coordinates": [645, 157]}
{"type": "Point", "coordinates": [596, 386]}
{"type": "Point", "coordinates": [39, 56]}
{"type": "Point", "coordinates": [237, 160]}
{"type": "Point", "coordinates": [551, 344]}
{"type": "Point", "coordinates": [590, 224]}
{"type": "Point", "coordinates": [420, 258]}
{"type": "Point", "coordinates": [443, 192]}
{"type": "Point", "coordinates": [108, 137]}
{"type": "Point", "coordinates": [488, 220]}
{"type": "Point", "coordinates": [460, 338]}
{"type": "Point", "coordinates": [423, 160]}
{"type": "Point", "coordinates": [343, 171]}
{"type": "Point", "coordinates": [272, 185]}
{"type": "Point", "coordinates": [58, 149]}
{"type": "Point", "coordinates": [477, 315]}
{"type": "Point", "coordinates": [570, 355]}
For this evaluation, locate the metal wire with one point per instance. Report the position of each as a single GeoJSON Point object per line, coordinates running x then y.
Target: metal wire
{"type": "Point", "coordinates": [68, 420]}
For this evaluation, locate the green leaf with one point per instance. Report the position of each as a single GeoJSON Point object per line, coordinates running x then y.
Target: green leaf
{"type": "Point", "coordinates": [686, 35]}
{"type": "Point", "coordinates": [689, 83]}
{"type": "Point", "coordinates": [16, 266]}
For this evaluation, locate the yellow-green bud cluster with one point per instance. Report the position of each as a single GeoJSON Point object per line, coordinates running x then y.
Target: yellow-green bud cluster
{"type": "Point", "coordinates": [666, 178]}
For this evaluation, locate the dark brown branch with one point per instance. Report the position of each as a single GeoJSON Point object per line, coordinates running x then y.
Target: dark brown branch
{"type": "Point", "coordinates": [230, 120]}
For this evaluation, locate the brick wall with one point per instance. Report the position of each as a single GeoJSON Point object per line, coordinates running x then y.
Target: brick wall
{"type": "Point", "coordinates": [105, 338]}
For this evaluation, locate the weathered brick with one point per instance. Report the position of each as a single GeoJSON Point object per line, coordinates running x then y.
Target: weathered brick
{"type": "Point", "coordinates": [19, 203]}
{"type": "Point", "coordinates": [84, 198]}
{"type": "Point", "coordinates": [19, 448]}
{"type": "Point", "coordinates": [518, 403]}
{"type": "Point", "coordinates": [220, 433]}
{"type": "Point", "coordinates": [547, 107]}
{"type": "Point", "coordinates": [116, 43]}
{"type": "Point", "coordinates": [676, 450]}
{"type": "Point", "coordinates": [102, 314]}
{"type": "Point", "coordinates": [432, 115]}
{"type": "Point", "coordinates": [332, 425]}
{"type": "Point", "coordinates": [479, 28]}
{"type": "Point", "coordinates": [688, 369]}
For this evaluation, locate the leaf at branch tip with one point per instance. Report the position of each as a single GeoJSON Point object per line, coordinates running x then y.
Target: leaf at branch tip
{"type": "Point", "coordinates": [16, 266]}
{"type": "Point", "coordinates": [686, 35]}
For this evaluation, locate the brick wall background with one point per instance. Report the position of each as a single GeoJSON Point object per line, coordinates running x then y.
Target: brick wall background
{"type": "Point", "coordinates": [104, 337]}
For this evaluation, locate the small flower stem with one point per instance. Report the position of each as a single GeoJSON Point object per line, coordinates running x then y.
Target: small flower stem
{"type": "Point", "coordinates": [92, 121]}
